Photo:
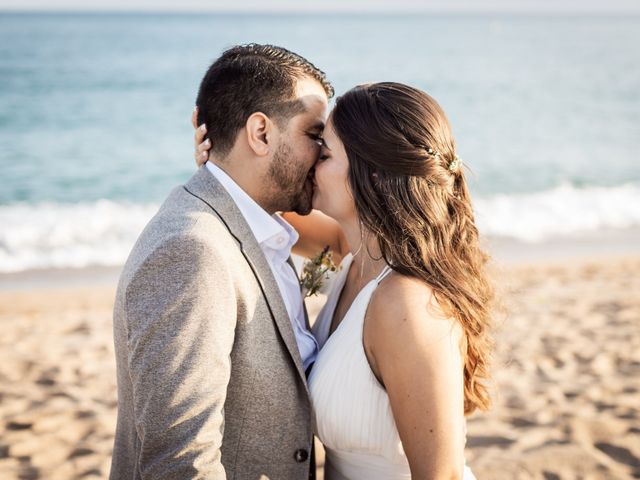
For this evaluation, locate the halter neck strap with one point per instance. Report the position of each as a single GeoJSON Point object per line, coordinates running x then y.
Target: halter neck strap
{"type": "Point", "coordinates": [385, 271]}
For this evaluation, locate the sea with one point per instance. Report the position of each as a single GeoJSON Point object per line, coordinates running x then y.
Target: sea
{"type": "Point", "coordinates": [95, 115]}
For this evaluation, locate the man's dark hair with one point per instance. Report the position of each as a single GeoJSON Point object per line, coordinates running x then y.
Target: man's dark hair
{"type": "Point", "coordinates": [247, 79]}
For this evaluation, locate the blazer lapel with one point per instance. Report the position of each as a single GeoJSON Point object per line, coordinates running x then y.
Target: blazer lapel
{"type": "Point", "coordinates": [206, 187]}
{"type": "Point", "coordinates": [304, 305]}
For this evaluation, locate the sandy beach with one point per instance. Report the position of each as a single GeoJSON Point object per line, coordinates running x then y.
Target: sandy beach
{"type": "Point", "coordinates": [566, 376]}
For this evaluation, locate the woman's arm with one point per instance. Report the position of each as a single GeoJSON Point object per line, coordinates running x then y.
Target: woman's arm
{"type": "Point", "coordinates": [316, 231]}
{"type": "Point", "coordinates": [415, 351]}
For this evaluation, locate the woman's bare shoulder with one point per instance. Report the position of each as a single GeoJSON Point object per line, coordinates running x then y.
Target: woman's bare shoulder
{"type": "Point", "coordinates": [406, 308]}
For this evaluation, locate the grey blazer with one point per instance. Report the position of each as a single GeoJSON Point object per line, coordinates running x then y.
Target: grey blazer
{"type": "Point", "coordinates": [210, 381]}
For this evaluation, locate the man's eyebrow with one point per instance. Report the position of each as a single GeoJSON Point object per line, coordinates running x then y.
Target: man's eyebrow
{"type": "Point", "coordinates": [317, 126]}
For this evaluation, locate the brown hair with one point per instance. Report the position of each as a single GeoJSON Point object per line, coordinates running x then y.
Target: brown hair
{"type": "Point", "coordinates": [251, 78]}
{"type": "Point", "coordinates": [411, 194]}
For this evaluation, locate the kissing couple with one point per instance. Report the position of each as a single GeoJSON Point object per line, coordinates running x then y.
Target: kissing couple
{"type": "Point", "coordinates": [220, 374]}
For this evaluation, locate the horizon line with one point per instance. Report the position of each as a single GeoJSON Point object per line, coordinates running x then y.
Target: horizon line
{"type": "Point", "coordinates": [525, 9]}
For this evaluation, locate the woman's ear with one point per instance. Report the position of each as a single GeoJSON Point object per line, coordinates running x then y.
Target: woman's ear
{"type": "Point", "coordinates": [260, 133]}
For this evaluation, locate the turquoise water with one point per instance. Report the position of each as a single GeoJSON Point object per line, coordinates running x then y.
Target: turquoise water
{"type": "Point", "coordinates": [95, 110]}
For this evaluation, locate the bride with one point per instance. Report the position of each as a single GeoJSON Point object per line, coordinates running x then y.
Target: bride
{"type": "Point", "coordinates": [404, 334]}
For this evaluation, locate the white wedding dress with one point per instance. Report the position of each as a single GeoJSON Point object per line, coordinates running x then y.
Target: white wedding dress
{"type": "Point", "coordinates": [352, 414]}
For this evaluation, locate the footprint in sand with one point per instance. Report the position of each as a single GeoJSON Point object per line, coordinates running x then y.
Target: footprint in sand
{"type": "Point", "coordinates": [488, 441]}
{"type": "Point", "coordinates": [81, 452]}
{"type": "Point", "coordinates": [19, 425]}
{"type": "Point", "coordinates": [619, 454]}
{"type": "Point", "coordinates": [46, 381]}
{"type": "Point", "coordinates": [520, 422]}
{"type": "Point", "coordinates": [551, 476]}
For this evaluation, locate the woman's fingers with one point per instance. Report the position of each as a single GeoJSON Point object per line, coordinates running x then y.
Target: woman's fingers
{"type": "Point", "coordinates": [194, 117]}
{"type": "Point", "coordinates": [202, 152]}
{"type": "Point", "coordinates": [202, 145]}
{"type": "Point", "coordinates": [199, 136]}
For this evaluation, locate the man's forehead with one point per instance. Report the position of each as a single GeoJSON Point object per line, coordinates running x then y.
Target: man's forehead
{"type": "Point", "coordinates": [312, 95]}
{"type": "Point", "coordinates": [310, 87]}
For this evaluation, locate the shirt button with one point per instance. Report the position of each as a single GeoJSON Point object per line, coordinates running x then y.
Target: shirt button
{"type": "Point", "coordinates": [301, 455]}
{"type": "Point", "coordinates": [280, 240]}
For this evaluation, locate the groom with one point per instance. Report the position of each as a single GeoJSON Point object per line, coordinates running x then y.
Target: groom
{"type": "Point", "coordinates": [211, 335]}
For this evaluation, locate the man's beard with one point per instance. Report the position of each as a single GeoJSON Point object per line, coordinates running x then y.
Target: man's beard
{"type": "Point", "coordinates": [292, 189]}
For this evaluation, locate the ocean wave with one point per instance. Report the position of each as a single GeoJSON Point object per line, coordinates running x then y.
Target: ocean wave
{"type": "Point", "coordinates": [51, 235]}
{"type": "Point", "coordinates": [563, 211]}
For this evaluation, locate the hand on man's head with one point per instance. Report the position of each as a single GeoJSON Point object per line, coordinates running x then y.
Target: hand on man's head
{"type": "Point", "coordinates": [202, 145]}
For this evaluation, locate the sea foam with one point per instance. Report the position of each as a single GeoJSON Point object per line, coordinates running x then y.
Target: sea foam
{"type": "Point", "coordinates": [560, 212]}
{"type": "Point", "coordinates": [54, 235]}
{"type": "Point", "coordinates": [69, 235]}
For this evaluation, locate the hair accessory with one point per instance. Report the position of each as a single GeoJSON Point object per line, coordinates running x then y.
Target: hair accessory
{"type": "Point", "coordinates": [433, 152]}
{"type": "Point", "coordinates": [454, 166]}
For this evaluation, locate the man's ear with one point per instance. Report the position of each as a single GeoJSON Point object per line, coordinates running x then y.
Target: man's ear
{"type": "Point", "coordinates": [260, 133]}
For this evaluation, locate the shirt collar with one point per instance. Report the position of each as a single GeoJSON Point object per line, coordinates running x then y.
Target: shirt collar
{"type": "Point", "coordinates": [287, 233]}
{"type": "Point", "coordinates": [269, 230]}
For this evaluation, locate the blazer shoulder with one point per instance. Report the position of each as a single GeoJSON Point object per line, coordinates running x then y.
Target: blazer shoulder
{"type": "Point", "coordinates": [185, 229]}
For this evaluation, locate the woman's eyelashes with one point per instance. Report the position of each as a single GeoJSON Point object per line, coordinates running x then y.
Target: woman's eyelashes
{"type": "Point", "coordinates": [324, 152]}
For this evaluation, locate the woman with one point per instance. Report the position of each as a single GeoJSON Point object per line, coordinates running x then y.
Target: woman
{"type": "Point", "coordinates": [404, 333]}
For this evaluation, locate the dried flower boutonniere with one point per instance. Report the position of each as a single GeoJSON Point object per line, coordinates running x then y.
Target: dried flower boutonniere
{"type": "Point", "coordinates": [315, 271]}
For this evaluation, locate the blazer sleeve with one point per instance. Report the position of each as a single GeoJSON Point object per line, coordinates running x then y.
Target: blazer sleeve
{"type": "Point", "coordinates": [181, 317]}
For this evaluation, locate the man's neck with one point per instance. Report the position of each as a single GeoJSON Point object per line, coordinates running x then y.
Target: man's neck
{"type": "Point", "coordinates": [244, 177]}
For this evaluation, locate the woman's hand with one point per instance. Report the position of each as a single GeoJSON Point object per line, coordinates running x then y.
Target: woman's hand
{"type": "Point", "coordinates": [202, 146]}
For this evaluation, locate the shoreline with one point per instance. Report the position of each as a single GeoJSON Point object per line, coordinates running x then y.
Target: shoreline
{"type": "Point", "coordinates": [597, 247]}
{"type": "Point", "coordinates": [60, 279]}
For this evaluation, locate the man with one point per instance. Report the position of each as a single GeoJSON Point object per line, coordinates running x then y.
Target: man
{"type": "Point", "coordinates": [210, 330]}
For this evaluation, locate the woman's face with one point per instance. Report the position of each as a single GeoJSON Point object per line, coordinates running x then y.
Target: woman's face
{"type": "Point", "coordinates": [332, 194]}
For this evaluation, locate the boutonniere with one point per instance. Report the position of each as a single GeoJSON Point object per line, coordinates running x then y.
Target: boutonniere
{"type": "Point", "coordinates": [316, 271]}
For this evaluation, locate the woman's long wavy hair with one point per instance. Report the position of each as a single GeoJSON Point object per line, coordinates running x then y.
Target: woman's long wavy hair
{"type": "Point", "coordinates": [409, 195]}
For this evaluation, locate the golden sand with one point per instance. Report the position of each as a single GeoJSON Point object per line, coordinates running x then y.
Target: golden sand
{"type": "Point", "coordinates": [567, 378]}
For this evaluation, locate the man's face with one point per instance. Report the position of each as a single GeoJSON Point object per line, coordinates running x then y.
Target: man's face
{"type": "Point", "coordinates": [290, 172]}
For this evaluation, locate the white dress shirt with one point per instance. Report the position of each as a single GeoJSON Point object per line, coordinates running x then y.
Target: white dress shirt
{"type": "Point", "coordinates": [275, 237]}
